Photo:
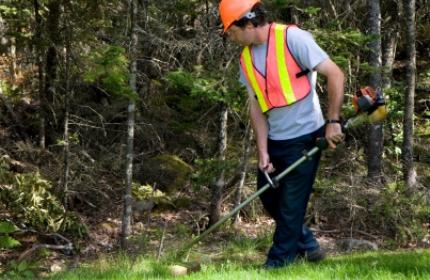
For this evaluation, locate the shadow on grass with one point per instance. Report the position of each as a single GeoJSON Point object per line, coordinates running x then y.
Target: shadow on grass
{"type": "Point", "coordinates": [406, 263]}
{"type": "Point", "coordinates": [378, 265]}
{"type": "Point", "coordinates": [387, 265]}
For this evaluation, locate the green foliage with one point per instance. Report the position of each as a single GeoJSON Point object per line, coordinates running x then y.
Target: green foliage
{"type": "Point", "coordinates": [28, 197]}
{"type": "Point", "coordinates": [311, 11]}
{"type": "Point", "coordinates": [7, 227]}
{"type": "Point", "coordinates": [401, 213]}
{"type": "Point", "coordinates": [242, 245]}
{"type": "Point", "coordinates": [7, 10]}
{"type": "Point", "coordinates": [20, 270]}
{"type": "Point", "coordinates": [394, 98]}
{"type": "Point", "coordinates": [146, 192]}
{"type": "Point", "coordinates": [108, 66]}
{"type": "Point", "coordinates": [423, 79]}
{"type": "Point", "coordinates": [7, 242]}
{"type": "Point", "coordinates": [344, 46]}
{"type": "Point", "coordinates": [208, 169]}
{"type": "Point", "coordinates": [282, 3]}
{"type": "Point", "coordinates": [183, 231]}
{"type": "Point", "coordinates": [206, 86]}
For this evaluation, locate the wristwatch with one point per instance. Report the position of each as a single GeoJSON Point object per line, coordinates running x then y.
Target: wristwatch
{"type": "Point", "coordinates": [333, 121]}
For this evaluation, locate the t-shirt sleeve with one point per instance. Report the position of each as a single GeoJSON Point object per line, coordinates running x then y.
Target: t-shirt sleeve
{"type": "Point", "coordinates": [304, 48]}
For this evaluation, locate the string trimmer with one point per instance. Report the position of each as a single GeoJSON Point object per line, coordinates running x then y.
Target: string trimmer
{"type": "Point", "coordinates": [369, 107]}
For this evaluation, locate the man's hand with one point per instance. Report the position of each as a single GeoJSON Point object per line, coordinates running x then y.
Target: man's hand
{"type": "Point", "coordinates": [333, 134]}
{"type": "Point", "coordinates": [264, 163]}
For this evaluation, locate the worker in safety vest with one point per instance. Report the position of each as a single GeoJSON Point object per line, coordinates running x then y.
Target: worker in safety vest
{"type": "Point", "coordinates": [279, 65]}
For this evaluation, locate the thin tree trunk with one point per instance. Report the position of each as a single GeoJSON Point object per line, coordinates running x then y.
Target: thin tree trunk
{"type": "Point", "coordinates": [246, 149]}
{"type": "Point", "coordinates": [52, 27]}
{"type": "Point", "coordinates": [126, 221]}
{"type": "Point", "coordinates": [409, 173]}
{"type": "Point", "coordinates": [51, 67]}
{"type": "Point", "coordinates": [13, 67]}
{"type": "Point", "coordinates": [389, 44]}
{"type": "Point", "coordinates": [68, 91]}
{"type": "Point", "coordinates": [39, 61]}
{"type": "Point", "coordinates": [2, 30]}
{"type": "Point", "coordinates": [375, 132]}
{"type": "Point", "coordinates": [218, 186]}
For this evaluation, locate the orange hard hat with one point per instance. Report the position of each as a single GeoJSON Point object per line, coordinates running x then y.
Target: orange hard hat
{"type": "Point", "coordinates": [232, 10]}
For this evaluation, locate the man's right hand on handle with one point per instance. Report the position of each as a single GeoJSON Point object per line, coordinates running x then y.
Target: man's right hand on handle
{"type": "Point", "coordinates": [264, 163]}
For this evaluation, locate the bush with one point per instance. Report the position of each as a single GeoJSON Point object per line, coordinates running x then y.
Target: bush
{"type": "Point", "coordinates": [29, 200]}
{"type": "Point", "coordinates": [7, 242]}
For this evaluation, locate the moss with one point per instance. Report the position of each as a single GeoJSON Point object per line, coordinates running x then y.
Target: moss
{"type": "Point", "coordinates": [167, 172]}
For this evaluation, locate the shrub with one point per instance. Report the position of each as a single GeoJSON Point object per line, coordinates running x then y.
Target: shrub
{"type": "Point", "coordinates": [29, 199]}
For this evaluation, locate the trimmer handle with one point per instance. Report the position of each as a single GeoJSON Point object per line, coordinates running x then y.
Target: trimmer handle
{"type": "Point", "coordinates": [273, 183]}
{"type": "Point", "coordinates": [321, 143]}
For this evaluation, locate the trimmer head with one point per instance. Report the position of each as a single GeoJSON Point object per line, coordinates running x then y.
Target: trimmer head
{"type": "Point", "coordinates": [369, 105]}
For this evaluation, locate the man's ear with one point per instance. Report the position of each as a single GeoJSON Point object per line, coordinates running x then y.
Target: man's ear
{"type": "Point", "coordinates": [249, 25]}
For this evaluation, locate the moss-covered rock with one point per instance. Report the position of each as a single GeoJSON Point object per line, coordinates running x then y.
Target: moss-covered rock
{"type": "Point", "coordinates": [167, 173]}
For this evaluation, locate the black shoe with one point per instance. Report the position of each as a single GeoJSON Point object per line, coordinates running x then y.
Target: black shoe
{"type": "Point", "coordinates": [316, 255]}
{"type": "Point", "coordinates": [269, 265]}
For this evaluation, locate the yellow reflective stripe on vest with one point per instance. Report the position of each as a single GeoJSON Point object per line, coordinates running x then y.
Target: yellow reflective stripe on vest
{"type": "Point", "coordinates": [247, 59]}
{"type": "Point", "coordinates": [284, 78]}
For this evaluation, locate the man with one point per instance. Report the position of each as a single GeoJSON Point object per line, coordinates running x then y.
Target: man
{"type": "Point", "coordinates": [278, 65]}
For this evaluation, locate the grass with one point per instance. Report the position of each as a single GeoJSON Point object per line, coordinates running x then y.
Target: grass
{"type": "Point", "coordinates": [380, 265]}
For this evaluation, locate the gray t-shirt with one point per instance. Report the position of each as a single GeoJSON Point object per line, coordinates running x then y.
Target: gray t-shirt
{"type": "Point", "coordinates": [304, 116]}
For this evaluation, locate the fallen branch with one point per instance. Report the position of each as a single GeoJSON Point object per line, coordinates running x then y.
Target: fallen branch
{"type": "Point", "coordinates": [67, 247]}
{"type": "Point", "coordinates": [325, 231]}
{"type": "Point", "coordinates": [160, 248]}
{"type": "Point", "coordinates": [46, 246]}
{"type": "Point", "coordinates": [339, 231]}
{"type": "Point", "coordinates": [366, 234]}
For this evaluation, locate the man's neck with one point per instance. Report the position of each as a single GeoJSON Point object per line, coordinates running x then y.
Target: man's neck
{"type": "Point", "coordinates": [262, 33]}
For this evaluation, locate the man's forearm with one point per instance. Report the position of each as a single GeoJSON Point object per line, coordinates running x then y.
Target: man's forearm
{"type": "Point", "coordinates": [259, 125]}
{"type": "Point", "coordinates": [335, 88]}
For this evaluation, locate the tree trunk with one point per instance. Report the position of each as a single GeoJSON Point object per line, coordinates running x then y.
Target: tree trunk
{"type": "Point", "coordinates": [375, 132]}
{"type": "Point", "coordinates": [218, 186]}
{"type": "Point", "coordinates": [51, 68]}
{"type": "Point", "coordinates": [66, 151]}
{"type": "Point", "coordinates": [246, 149]}
{"type": "Point", "coordinates": [389, 44]}
{"type": "Point", "coordinates": [126, 220]}
{"type": "Point", "coordinates": [52, 28]}
{"type": "Point", "coordinates": [2, 30]}
{"type": "Point", "coordinates": [37, 42]}
{"type": "Point", "coordinates": [13, 67]}
{"type": "Point", "coordinates": [409, 173]}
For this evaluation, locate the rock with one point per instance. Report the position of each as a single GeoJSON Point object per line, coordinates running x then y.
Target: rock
{"type": "Point", "coordinates": [57, 267]}
{"type": "Point", "coordinates": [351, 244]}
{"type": "Point", "coordinates": [193, 266]}
{"type": "Point", "coordinates": [142, 206]}
{"type": "Point", "coordinates": [169, 172]}
{"type": "Point", "coordinates": [109, 228]}
{"type": "Point", "coordinates": [177, 270]}
{"type": "Point", "coordinates": [139, 226]}
{"type": "Point", "coordinates": [425, 242]}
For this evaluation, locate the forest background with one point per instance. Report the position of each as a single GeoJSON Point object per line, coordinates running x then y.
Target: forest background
{"type": "Point", "coordinates": [123, 125]}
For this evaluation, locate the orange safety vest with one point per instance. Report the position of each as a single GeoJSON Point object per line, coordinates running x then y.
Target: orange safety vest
{"type": "Point", "coordinates": [285, 82]}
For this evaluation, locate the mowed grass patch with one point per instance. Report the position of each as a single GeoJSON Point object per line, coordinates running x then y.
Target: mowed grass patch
{"type": "Point", "coordinates": [381, 265]}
